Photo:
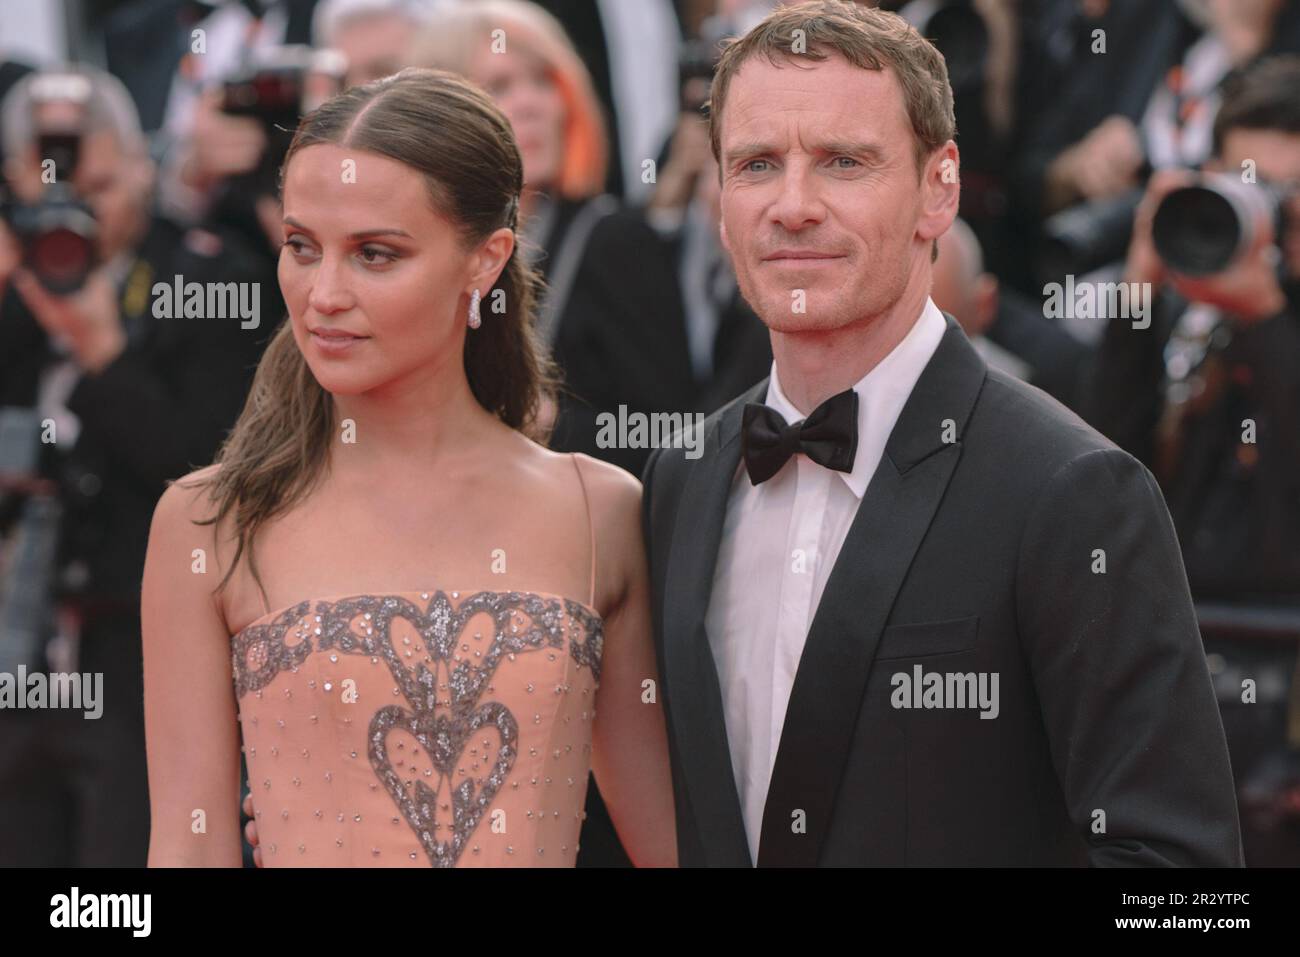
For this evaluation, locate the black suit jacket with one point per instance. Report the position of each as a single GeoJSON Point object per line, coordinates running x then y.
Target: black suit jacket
{"type": "Point", "coordinates": [973, 555]}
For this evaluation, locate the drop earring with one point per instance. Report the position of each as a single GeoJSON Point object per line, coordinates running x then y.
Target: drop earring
{"type": "Point", "coordinates": [474, 319]}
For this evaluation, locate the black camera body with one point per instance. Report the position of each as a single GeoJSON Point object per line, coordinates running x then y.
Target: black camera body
{"type": "Point", "coordinates": [277, 87]}
{"type": "Point", "coordinates": [1087, 236]}
{"type": "Point", "coordinates": [1201, 230]}
{"type": "Point", "coordinates": [58, 234]}
{"type": "Point", "coordinates": [269, 89]}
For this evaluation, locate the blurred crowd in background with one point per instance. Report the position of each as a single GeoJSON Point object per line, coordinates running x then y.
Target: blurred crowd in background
{"type": "Point", "coordinates": [1147, 142]}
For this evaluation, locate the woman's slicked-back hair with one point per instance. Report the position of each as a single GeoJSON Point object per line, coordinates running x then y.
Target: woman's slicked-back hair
{"type": "Point", "coordinates": [451, 133]}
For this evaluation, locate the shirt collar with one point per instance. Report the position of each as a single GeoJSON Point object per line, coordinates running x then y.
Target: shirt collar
{"type": "Point", "coordinates": [882, 393]}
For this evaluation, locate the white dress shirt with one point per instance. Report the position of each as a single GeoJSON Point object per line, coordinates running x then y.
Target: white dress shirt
{"type": "Point", "coordinates": [779, 543]}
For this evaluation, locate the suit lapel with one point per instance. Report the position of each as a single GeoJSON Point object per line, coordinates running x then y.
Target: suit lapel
{"type": "Point", "coordinates": [891, 520]}
{"type": "Point", "coordinates": [690, 671]}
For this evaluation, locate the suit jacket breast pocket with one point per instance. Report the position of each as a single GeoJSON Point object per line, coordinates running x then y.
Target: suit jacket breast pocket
{"type": "Point", "coordinates": [925, 638]}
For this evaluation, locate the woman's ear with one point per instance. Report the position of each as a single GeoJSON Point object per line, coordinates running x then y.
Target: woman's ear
{"type": "Point", "coordinates": [490, 259]}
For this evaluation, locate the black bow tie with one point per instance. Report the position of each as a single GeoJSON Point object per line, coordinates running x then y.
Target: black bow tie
{"type": "Point", "coordinates": [829, 436]}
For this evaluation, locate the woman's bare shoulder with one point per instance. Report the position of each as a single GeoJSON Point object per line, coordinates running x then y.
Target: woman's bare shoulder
{"type": "Point", "coordinates": [188, 497]}
{"type": "Point", "coordinates": [185, 516]}
{"type": "Point", "coordinates": [610, 489]}
{"type": "Point", "coordinates": [205, 474]}
{"type": "Point", "coordinates": [181, 543]}
{"type": "Point", "coordinates": [614, 492]}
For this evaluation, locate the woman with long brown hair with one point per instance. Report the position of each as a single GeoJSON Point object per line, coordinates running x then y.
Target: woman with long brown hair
{"type": "Point", "coordinates": [424, 609]}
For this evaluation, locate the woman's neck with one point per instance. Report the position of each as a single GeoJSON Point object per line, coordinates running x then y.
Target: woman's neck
{"type": "Point", "coordinates": [407, 428]}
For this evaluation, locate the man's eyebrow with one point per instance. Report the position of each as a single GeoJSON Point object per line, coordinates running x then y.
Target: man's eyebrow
{"type": "Point", "coordinates": [361, 234]}
{"type": "Point", "coordinates": [750, 148]}
{"type": "Point", "coordinates": [852, 148]}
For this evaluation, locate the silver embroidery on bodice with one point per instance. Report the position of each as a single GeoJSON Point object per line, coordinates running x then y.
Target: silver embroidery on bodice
{"type": "Point", "coordinates": [524, 622]}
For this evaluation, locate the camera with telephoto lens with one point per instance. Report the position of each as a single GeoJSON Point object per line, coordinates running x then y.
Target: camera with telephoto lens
{"type": "Point", "coordinates": [58, 233]}
{"type": "Point", "coordinates": [1201, 230]}
{"type": "Point", "coordinates": [277, 87]}
{"type": "Point", "coordinates": [1086, 236]}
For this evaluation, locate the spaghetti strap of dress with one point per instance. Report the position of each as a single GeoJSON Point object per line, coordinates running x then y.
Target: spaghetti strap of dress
{"type": "Point", "coordinates": [591, 533]}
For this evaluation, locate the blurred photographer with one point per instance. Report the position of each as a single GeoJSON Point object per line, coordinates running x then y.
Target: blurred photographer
{"type": "Point", "coordinates": [109, 387]}
{"type": "Point", "coordinates": [225, 169]}
{"type": "Point", "coordinates": [1140, 94]}
{"type": "Point", "coordinates": [1209, 395]}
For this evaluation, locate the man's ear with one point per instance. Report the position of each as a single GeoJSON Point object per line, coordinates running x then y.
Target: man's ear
{"type": "Point", "coordinates": [722, 234]}
{"type": "Point", "coordinates": [490, 259]}
{"type": "Point", "coordinates": [940, 192]}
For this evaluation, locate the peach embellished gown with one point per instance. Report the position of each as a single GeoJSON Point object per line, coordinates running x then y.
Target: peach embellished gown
{"type": "Point", "coordinates": [414, 729]}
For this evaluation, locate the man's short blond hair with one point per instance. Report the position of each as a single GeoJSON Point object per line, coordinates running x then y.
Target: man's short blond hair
{"type": "Point", "coordinates": [868, 38]}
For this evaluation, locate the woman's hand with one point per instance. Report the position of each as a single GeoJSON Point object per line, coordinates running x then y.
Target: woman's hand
{"type": "Point", "coordinates": [88, 321]}
{"type": "Point", "coordinates": [250, 829]}
{"type": "Point", "coordinates": [220, 145]}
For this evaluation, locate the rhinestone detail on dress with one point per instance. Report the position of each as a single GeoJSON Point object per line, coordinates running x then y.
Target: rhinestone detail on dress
{"type": "Point", "coordinates": [523, 622]}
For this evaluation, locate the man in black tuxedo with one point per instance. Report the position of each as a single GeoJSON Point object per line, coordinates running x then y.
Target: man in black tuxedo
{"type": "Point", "coordinates": [937, 619]}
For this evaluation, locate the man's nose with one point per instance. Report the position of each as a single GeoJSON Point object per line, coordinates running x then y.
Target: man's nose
{"type": "Point", "coordinates": [329, 288]}
{"type": "Point", "coordinates": [797, 206]}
